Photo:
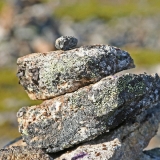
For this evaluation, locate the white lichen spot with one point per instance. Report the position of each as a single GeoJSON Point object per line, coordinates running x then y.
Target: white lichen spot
{"type": "Point", "coordinates": [82, 131]}
{"type": "Point", "coordinates": [57, 106]}
{"type": "Point", "coordinates": [107, 48]}
{"type": "Point", "coordinates": [92, 98]}
{"type": "Point", "coordinates": [80, 53]}
{"type": "Point", "coordinates": [25, 132]}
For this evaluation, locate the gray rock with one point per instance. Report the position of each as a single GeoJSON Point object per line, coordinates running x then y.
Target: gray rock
{"type": "Point", "coordinates": [153, 153]}
{"type": "Point", "coordinates": [123, 143]}
{"type": "Point", "coordinates": [47, 75]}
{"type": "Point", "coordinates": [23, 152]}
{"type": "Point", "coordinates": [80, 116]}
{"type": "Point", "coordinates": [66, 43]}
{"type": "Point", "coordinates": [128, 140]}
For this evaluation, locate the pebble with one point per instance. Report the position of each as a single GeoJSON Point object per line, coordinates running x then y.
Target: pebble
{"type": "Point", "coordinates": [66, 43]}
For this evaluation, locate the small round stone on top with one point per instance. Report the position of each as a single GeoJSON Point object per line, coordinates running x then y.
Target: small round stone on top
{"type": "Point", "coordinates": [66, 43]}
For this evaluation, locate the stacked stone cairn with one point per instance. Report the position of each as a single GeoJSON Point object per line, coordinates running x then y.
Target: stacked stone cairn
{"type": "Point", "coordinates": [89, 111]}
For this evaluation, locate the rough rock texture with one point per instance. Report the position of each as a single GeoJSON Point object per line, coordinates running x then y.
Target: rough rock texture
{"type": "Point", "coordinates": [23, 153]}
{"type": "Point", "coordinates": [46, 75]}
{"type": "Point", "coordinates": [18, 150]}
{"type": "Point", "coordinates": [153, 153]}
{"type": "Point", "coordinates": [124, 143]}
{"type": "Point", "coordinates": [66, 43]}
{"type": "Point", "coordinates": [67, 120]}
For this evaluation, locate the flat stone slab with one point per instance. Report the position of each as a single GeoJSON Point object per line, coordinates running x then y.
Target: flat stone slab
{"type": "Point", "coordinates": [80, 116]}
{"type": "Point", "coordinates": [47, 75]}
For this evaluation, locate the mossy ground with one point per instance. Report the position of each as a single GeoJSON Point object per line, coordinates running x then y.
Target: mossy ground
{"type": "Point", "coordinates": [2, 4]}
{"type": "Point", "coordinates": [104, 9]}
{"type": "Point", "coordinates": [80, 10]}
{"type": "Point", "coordinates": [9, 130]}
{"type": "Point", "coordinates": [12, 97]}
{"type": "Point", "coordinates": [144, 57]}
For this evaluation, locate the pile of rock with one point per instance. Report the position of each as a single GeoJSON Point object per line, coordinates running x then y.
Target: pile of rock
{"type": "Point", "coordinates": [86, 105]}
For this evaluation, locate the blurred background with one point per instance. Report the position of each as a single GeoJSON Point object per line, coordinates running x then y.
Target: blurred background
{"type": "Point", "coordinates": [28, 26]}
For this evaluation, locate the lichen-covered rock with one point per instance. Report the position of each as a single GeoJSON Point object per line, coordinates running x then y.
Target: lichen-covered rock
{"type": "Point", "coordinates": [23, 153]}
{"type": "Point", "coordinates": [66, 42]}
{"type": "Point", "coordinates": [123, 143]}
{"type": "Point", "coordinates": [80, 116]}
{"type": "Point", "coordinates": [47, 75]}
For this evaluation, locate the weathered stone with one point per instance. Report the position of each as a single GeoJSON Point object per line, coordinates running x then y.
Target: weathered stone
{"type": "Point", "coordinates": [47, 75]}
{"type": "Point", "coordinates": [123, 143]}
{"type": "Point", "coordinates": [66, 43]}
{"type": "Point", "coordinates": [153, 153]}
{"type": "Point", "coordinates": [80, 116]}
{"type": "Point", "coordinates": [18, 150]}
{"type": "Point", "coordinates": [23, 153]}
